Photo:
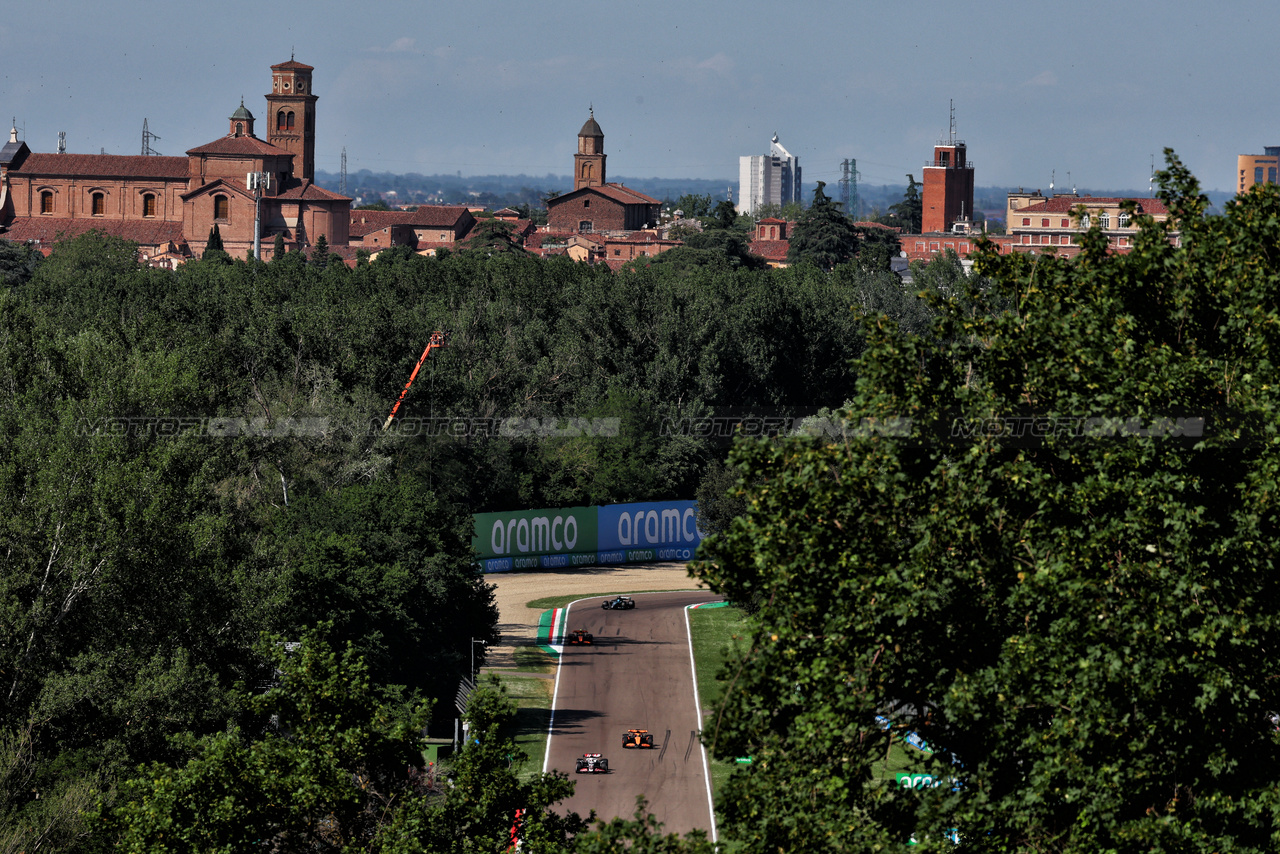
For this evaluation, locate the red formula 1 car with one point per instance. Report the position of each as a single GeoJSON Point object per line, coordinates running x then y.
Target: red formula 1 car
{"type": "Point", "coordinates": [591, 763]}
{"type": "Point", "coordinates": [579, 636]}
{"type": "Point", "coordinates": [637, 738]}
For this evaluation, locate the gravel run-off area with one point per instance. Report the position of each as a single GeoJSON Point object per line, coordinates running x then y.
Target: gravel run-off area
{"type": "Point", "coordinates": [518, 624]}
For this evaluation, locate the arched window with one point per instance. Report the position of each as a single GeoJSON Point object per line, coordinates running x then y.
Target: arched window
{"type": "Point", "coordinates": [586, 171]}
{"type": "Point", "coordinates": [1124, 220]}
{"type": "Point", "coordinates": [149, 204]}
{"type": "Point", "coordinates": [1084, 221]}
{"type": "Point", "coordinates": [46, 201]}
{"type": "Point", "coordinates": [239, 128]}
{"type": "Point", "coordinates": [290, 119]}
{"type": "Point", "coordinates": [99, 202]}
{"type": "Point", "coordinates": [1104, 219]}
{"type": "Point", "coordinates": [584, 226]}
{"type": "Point", "coordinates": [221, 208]}
{"type": "Point", "coordinates": [280, 120]}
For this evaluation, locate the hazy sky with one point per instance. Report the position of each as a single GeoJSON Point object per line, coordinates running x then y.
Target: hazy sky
{"type": "Point", "coordinates": [1089, 89]}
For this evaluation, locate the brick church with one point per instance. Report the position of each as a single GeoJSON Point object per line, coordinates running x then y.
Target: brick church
{"type": "Point", "coordinates": [596, 205]}
{"type": "Point", "coordinates": [169, 205]}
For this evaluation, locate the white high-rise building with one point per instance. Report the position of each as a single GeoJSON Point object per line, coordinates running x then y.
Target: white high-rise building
{"type": "Point", "coordinates": [768, 179]}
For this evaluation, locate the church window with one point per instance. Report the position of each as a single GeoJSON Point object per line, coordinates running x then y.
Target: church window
{"type": "Point", "coordinates": [280, 120]}
{"type": "Point", "coordinates": [586, 203]}
{"type": "Point", "coordinates": [290, 119]}
{"type": "Point", "coordinates": [149, 204]}
{"type": "Point", "coordinates": [239, 129]}
{"type": "Point", "coordinates": [221, 208]}
{"type": "Point", "coordinates": [99, 202]}
{"type": "Point", "coordinates": [584, 226]}
{"type": "Point", "coordinates": [46, 202]}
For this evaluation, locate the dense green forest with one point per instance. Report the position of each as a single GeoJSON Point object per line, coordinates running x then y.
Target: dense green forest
{"type": "Point", "coordinates": [192, 459]}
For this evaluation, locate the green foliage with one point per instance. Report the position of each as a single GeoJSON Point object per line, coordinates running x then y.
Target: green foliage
{"type": "Point", "coordinates": [492, 236]}
{"type": "Point", "coordinates": [823, 235]}
{"type": "Point", "coordinates": [1082, 618]}
{"type": "Point", "coordinates": [908, 213]}
{"type": "Point", "coordinates": [379, 205]}
{"type": "Point", "coordinates": [694, 205]}
{"type": "Point", "coordinates": [18, 263]}
{"type": "Point", "coordinates": [327, 774]}
{"type": "Point", "coordinates": [724, 215]}
{"type": "Point", "coordinates": [391, 568]}
{"type": "Point", "coordinates": [640, 835]}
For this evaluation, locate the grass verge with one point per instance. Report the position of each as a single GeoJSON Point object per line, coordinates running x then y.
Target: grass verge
{"type": "Point", "coordinates": [532, 697]}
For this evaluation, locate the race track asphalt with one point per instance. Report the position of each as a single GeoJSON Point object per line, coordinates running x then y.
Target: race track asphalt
{"type": "Point", "coordinates": [637, 675]}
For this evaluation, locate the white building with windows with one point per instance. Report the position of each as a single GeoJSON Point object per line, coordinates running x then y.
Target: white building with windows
{"type": "Point", "coordinates": [768, 179]}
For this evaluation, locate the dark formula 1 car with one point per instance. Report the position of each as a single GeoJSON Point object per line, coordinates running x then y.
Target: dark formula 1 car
{"type": "Point", "coordinates": [579, 636]}
{"type": "Point", "coordinates": [591, 763]}
{"type": "Point", "coordinates": [620, 603]}
{"type": "Point", "coordinates": [637, 738]}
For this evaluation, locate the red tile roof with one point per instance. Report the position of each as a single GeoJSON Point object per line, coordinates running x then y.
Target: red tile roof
{"type": "Point", "coordinates": [52, 230]}
{"type": "Point", "coordinates": [1066, 204]}
{"type": "Point", "coordinates": [427, 216]}
{"type": "Point", "coordinates": [293, 65]}
{"type": "Point", "coordinates": [240, 145]}
{"type": "Point", "coordinates": [306, 190]}
{"type": "Point", "coordinates": [896, 229]}
{"type": "Point", "coordinates": [104, 165]}
{"type": "Point", "coordinates": [771, 250]}
{"type": "Point", "coordinates": [626, 195]}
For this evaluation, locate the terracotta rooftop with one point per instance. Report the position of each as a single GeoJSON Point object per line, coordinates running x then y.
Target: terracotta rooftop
{"type": "Point", "coordinates": [771, 250]}
{"type": "Point", "coordinates": [240, 145]}
{"type": "Point", "coordinates": [427, 216]}
{"type": "Point", "coordinates": [626, 194]}
{"type": "Point", "coordinates": [307, 190]}
{"type": "Point", "coordinates": [105, 165]}
{"type": "Point", "coordinates": [52, 230]}
{"type": "Point", "coordinates": [1065, 204]}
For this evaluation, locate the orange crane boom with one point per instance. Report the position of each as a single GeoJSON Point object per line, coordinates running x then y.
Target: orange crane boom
{"type": "Point", "coordinates": [437, 340]}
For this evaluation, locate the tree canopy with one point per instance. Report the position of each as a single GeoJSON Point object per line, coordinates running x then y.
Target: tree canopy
{"type": "Point", "coordinates": [823, 234]}
{"type": "Point", "coordinates": [1046, 545]}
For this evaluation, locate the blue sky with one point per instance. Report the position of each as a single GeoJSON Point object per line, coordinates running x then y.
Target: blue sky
{"type": "Point", "coordinates": [1086, 91]}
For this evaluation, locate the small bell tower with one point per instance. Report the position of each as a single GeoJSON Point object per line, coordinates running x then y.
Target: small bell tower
{"type": "Point", "coordinates": [291, 122]}
{"type": "Point", "coordinates": [588, 163]}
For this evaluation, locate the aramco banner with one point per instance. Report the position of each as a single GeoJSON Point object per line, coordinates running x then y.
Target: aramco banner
{"type": "Point", "coordinates": [586, 536]}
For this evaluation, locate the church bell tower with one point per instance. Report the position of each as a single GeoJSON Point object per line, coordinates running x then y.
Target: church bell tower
{"type": "Point", "coordinates": [291, 119]}
{"type": "Point", "coordinates": [588, 163]}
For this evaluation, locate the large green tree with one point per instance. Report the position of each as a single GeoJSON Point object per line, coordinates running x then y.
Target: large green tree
{"type": "Point", "coordinates": [908, 214]}
{"type": "Point", "coordinates": [1047, 544]}
{"type": "Point", "coordinates": [823, 235]}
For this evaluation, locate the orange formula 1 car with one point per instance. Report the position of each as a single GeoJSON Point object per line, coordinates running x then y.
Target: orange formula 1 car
{"type": "Point", "coordinates": [637, 738]}
{"type": "Point", "coordinates": [579, 636]}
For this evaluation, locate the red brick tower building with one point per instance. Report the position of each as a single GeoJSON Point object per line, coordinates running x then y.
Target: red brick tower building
{"type": "Point", "coordinates": [292, 121]}
{"type": "Point", "coordinates": [948, 185]}
{"type": "Point", "coordinates": [588, 163]}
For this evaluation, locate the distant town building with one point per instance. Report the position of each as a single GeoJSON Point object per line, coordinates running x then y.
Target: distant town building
{"type": "Point", "coordinates": [596, 205]}
{"type": "Point", "coordinates": [168, 205]}
{"type": "Point", "coordinates": [947, 196]}
{"type": "Point", "coordinates": [768, 179]}
{"type": "Point", "coordinates": [1258, 168]}
{"type": "Point", "coordinates": [1034, 220]}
